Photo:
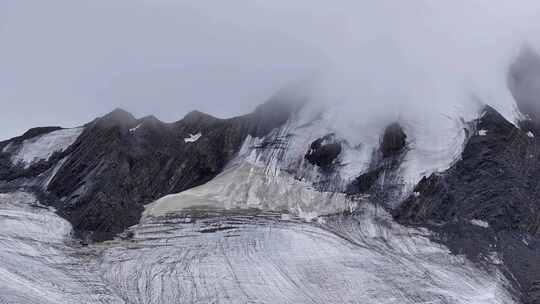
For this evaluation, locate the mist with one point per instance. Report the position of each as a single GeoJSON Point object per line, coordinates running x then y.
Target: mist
{"type": "Point", "coordinates": [65, 62]}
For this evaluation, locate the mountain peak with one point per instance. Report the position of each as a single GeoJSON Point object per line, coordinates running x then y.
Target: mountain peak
{"type": "Point", "coordinates": [118, 117]}
{"type": "Point", "coordinates": [120, 113]}
{"type": "Point", "coordinates": [197, 116]}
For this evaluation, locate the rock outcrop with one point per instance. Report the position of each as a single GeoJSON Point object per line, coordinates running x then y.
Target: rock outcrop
{"type": "Point", "coordinates": [324, 152]}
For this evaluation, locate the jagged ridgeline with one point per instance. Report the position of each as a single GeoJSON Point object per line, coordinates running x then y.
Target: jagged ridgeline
{"type": "Point", "coordinates": [105, 172]}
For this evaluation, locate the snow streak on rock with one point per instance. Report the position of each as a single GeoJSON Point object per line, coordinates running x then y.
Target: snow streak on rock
{"type": "Point", "coordinates": [192, 138]}
{"type": "Point", "coordinates": [135, 128]}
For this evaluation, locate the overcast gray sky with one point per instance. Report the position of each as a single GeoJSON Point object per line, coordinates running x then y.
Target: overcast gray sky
{"type": "Point", "coordinates": [64, 62]}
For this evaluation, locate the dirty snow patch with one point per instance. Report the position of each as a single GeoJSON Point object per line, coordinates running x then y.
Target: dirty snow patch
{"type": "Point", "coordinates": [192, 138]}
{"type": "Point", "coordinates": [247, 186]}
{"type": "Point", "coordinates": [530, 134]}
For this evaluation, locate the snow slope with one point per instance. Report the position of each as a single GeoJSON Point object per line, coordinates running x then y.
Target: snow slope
{"type": "Point", "coordinates": [43, 146]}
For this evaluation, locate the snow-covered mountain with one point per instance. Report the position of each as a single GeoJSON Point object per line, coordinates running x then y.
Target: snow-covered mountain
{"type": "Point", "coordinates": [293, 203]}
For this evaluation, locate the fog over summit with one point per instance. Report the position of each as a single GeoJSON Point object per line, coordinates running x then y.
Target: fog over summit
{"type": "Point", "coordinates": [65, 62]}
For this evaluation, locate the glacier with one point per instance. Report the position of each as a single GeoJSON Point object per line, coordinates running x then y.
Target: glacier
{"type": "Point", "coordinates": [235, 256]}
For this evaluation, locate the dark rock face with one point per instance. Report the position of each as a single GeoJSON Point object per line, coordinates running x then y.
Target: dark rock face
{"type": "Point", "coordinates": [496, 181]}
{"type": "Point", "coordinates": [365, 182]}
{"type": "Point", "coordinates": [382, 180]}
{"type": "Point", "coordinates": [393, 141]}
{"type": "Point", "coordinates": [324, 152]}
{"type": "Point", "coordinates": [273, 113]}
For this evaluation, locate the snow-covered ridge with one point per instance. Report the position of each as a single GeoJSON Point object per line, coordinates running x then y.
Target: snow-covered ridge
{"type": "Point", "coordinates": [42, 147]}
